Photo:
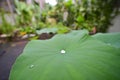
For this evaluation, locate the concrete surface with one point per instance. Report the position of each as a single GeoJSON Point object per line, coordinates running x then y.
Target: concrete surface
{"type": "Point", "coordinates": [116, 25]}
{"type": "Point", "coordinates": [8, 54]}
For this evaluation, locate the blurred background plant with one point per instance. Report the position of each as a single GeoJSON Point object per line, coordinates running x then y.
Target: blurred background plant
{"type": "Point", "coordinates": [83, 14]}
{"type": "Point", "coordinates": [6, 27]}
{"type": "Point", "coordinates": [25, 14]}
{"type": "Point", "coordinates": [66, 15]}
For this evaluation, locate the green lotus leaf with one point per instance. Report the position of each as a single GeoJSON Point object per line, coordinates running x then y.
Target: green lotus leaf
{"type": "Point", "coordinates": [112, 39]}
{"type": "Point", "coordinates": [72, 56]}
{"type": "Point", "coordinates": [47, 30]}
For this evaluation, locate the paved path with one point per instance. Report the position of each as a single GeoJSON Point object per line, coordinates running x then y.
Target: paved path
{"type": "Point", "coordinates": [8, 54]}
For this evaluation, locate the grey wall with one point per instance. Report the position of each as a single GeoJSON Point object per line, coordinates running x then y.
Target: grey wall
{"type": "Point", "coordinates": [116, 25]}
{"type": "Point", "coordinates": [4, 5]}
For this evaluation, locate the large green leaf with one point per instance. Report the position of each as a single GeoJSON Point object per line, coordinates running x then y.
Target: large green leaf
{"type": "Point", "coordinates": [47, 30]}
{"type": "Point", "coordinates": [72, 56]}
{"type": "Point", "coordinates": [112, 39]}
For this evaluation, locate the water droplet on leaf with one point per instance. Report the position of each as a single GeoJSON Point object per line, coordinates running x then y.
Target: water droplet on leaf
{"type": "Point", "coordinates": [62, 51]}
{"type": "Point", "coordinates": [31, 66]}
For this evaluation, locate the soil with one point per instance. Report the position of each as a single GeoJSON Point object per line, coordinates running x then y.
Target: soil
{"type": "Point", "coordinates": [10, 50]}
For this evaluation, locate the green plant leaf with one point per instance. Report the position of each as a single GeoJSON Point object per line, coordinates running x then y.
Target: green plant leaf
{"type": "Point", "coordinates": [112, 39]}
{"type": "Point", "coordinates": [47, 30]}
{"type": "Point", "coordinates": [68, 3]}
{"type": "Point", "coordinates": [80, 19]}
{"type": "Point", "coordinates": [72, 56]}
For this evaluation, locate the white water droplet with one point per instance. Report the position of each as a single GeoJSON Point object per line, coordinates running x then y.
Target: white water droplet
{"type": "Point", "coordinates": [62, 51]}
{"type": "Point", "coordinates": [31, 66]}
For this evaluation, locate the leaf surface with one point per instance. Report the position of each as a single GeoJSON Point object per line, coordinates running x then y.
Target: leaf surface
{"type": "Point", "coordinates": [72, 56]}
{"type": "Point", "coordinates": [112, 39]}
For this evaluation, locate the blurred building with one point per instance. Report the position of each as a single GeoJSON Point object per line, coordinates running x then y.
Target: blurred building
{"type": "Point", "coordinates": [4, 5]}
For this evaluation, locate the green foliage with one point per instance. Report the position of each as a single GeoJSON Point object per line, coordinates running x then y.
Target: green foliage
{"type": "Point", "coordinates": [72, 56]}
{"type": "Point", "coordinates": [25, 13]}
{"type": "Point", "coordinates": [58, 28]}
{"type": "Point", "coordinates": [62, 29]}
{"type": "Point", "coordinates": [28, 30]}
{"type": "Point", "coordinates": [84, 14]}
{"type": "Point", "coordinates": [72, 15]}
{"type": "Point", "coordinates": [5, 27]}
{"type": "Point", "coordinates": [47, 30]}
{"type": "Point", "coordinates": [28, 17]}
